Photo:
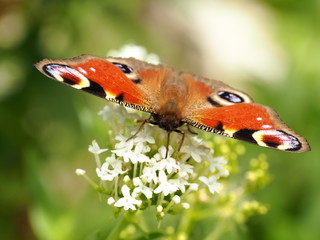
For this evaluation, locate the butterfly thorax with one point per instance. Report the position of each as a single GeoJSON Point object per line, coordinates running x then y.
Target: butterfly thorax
{"type": "Point", "coordinates": [169, 116]}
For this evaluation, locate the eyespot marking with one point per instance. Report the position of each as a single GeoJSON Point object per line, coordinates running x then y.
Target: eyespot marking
{"type": "Point", "coordinates": [271, 144]}
{"type": "Point", "coordinates": [95, 89]}
{"type": "Point", "coordinates": [283, 141]}
{"type": "Point", "coordinates": [277, 139]}
{"type": "Point", "coordinates": [230, 97]}
{"type": "Point", "coordinates": [69, 81]}
{"type": "Point", "coordinates": [124, 68]}
{"type": "Point", "coordinates": [137, 81]}
{"type": "Point", "coordinates": [66, 74]}
{"type": "Point", "coordinates": [50, 69]}
{"type": "Point", "coordinates": [213, 103]}
{"type": "Point", "coordinates": [245, 135]}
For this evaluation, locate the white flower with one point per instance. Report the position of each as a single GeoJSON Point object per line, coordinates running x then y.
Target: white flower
{"type": "Point", "coordinates": [80, 172]}
{"type": "Point", "coordinates": [169, 163]}
{"type": "Point", "coordinates": [159, 208]}
{"type": "Point", "coordinates": [107, 174]}
{"type": "Point", "coordinates": [176, 199]}
{"type": "Point", "coordinates": [95, 149]}
{"type": "Point", "coordinates": [144, 136]}
{"type": "Point", "coordinates": [165, 186]}
{"type": "Point", "coordinates": [138, 155]}
{"type": "Point", "coordinates": [125, 149]}
{"type": "Point", "coordinates": [211, 182]}
{"type": "Point", "coordinates": [110, 200]}
{"type": "Point", "coordinates": [126, 178]}
{"type": "Point", "coordinates": [141, 188]}
{"type": "Point", "coordinates": [117, 114]}
{"type": "Point", "coordinates": [123, 146]}
{"type": "Point", "coordinates": [218, 164]}
{"type": "Point", "coordinates": [185, 170]}
{"type": "Point", "coordinates": [193, 186]}
{"type": "Point", "coordinates": [162, 152]}
{"type": "Point", "coordinates": [185, 205]}
{"type": "Point", "coordinates": [127, 201]}
{"type": "Point", "coordinates": [147, 178]}
{"type": "Point", "coordinates": [136, 51]}
{"type": "Point", "coordinates": [180, 183]}
{"type": "Point", "coordinates": [195, 150]}
{"type": "Point", "coordinates": [149, 174]}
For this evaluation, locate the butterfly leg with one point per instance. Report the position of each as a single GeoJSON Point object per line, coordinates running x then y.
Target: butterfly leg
{"type": "Point", "coordinates": [190, 130]}
{"type": "Point", "coordinates": [140, 128]}
{"type": "Point", "coordinates": [180, 144]}
{"type": "Point", "coordinates": [182, 139]}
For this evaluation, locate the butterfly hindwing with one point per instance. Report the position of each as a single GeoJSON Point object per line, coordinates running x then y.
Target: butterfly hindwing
{"type": "Point", "coordinates": [249, 122]}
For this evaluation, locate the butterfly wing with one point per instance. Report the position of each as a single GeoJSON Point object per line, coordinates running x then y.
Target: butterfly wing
{"type": "Point", "coordinates": [207, 104]}
{"type": "Point", "coordinates": [232, 113]}
{"type": "Point", "coordinates": [123, 80]}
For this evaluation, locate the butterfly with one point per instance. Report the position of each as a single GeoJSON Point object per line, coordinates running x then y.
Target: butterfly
{"type": "Point", "coordinates": [176, 98]}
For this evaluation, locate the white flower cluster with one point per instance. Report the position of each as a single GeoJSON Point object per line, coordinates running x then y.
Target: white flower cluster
{"type": "Point", "coordinates": [139, 174]}
{"type": "Point", "coordinates": [136, 51]}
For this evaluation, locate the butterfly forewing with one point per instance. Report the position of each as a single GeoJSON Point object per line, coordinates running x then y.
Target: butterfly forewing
{"type": "Point", "coordinates": [98, 76]}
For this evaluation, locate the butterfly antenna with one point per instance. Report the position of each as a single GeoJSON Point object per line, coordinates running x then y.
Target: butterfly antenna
{"type": "Point", "coordinates": [168, 141]}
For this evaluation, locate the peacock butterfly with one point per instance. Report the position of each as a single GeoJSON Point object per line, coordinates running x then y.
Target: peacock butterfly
{"type": "Point", "coordinates": [175, 98]}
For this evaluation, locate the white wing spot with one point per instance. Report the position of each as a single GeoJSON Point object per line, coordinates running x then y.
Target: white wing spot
{"type": "Point", "coordinates": [266, 126]}
{"type": "Point", "coordinates": [82, 70]}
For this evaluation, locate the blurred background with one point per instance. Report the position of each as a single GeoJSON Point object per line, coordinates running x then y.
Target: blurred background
{"type": "Point", "coordinates": [269, 49]}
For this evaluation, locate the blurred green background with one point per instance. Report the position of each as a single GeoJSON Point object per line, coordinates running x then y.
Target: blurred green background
{"type": "Point", "coordinates": [267, 48]}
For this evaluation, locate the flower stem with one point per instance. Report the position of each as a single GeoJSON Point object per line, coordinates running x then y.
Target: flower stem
{"type": "Point", "coordinates": [116, 187]}
{"type": "Point", "coordinates": [160, 198]}
{"type": "Point", "coordinates": [135, 170]}
{"type": "Point", "coordinates": [117, 229]}
{"type": "Point", "coordinates": [217, 231]}
{"type": "Point", "coordinates": [91, 182]}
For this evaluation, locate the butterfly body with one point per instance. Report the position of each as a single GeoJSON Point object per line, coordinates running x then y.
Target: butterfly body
{"type": "Point", "coordinates": [175, 98]}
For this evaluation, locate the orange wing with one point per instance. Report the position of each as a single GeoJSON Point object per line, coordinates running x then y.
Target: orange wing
{"type": "Point", "coordinates": [177, 98]}
{"type": "Point", "coordinates": [229, 112]}
{"type": "Point", "coordinates": [115, 79]}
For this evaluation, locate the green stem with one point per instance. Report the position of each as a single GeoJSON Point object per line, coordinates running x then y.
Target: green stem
{"type": "Point", "coordinates": [117, 229]}
{"type": "Point", "coordinates": [141, 168]}
{"type": "Point", "coordinates": [185, 223]}
{"type": "Point", "coordinates": [160, 198]}
{"type": "Point", "coordinates": [91, 182]}
{"type": "Point", "coordinates": [116, 188]}
{"type": "Point", "coordinates": [135, 170]}
{"type": "Point", "coordinates": [217, 231]}
{"type": "Point", "coordinates": [168, 206]}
